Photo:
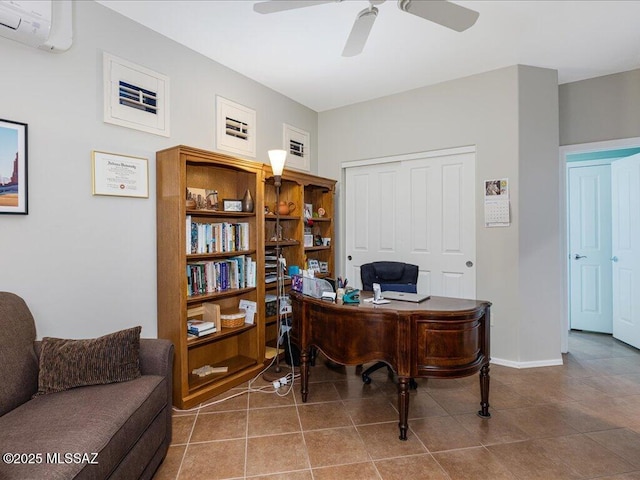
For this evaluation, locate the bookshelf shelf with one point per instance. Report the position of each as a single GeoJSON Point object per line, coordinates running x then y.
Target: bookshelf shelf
{"type": "Point", "coordinates": [232, 292]}
{"type": "Point", "coordinates": [213, 337]}
{"type": "Point", "coordinates": [284, 243]}
{"type": "Point", "coordinates": [316, 249]}
{"type": "Point", "coordinates": [219, 213]}
{"type": "Point", "coordinates": [212, 256]}
{"type": "Point", "coordinates": [234, 365]}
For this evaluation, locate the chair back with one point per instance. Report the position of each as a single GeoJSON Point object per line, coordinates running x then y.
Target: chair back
{"type": "Point", "coordinates": [390, 276]}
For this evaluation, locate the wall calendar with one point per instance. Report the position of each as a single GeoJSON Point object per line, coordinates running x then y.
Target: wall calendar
{"type": "Point", "coordinates": [496, 203]}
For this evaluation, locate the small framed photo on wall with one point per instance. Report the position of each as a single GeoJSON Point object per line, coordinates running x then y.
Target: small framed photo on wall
{"type": "Point", "coordinates": [13, 167]}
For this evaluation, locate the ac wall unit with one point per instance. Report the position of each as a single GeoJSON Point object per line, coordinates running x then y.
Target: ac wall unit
{"type": "Point", "coordinates": [43, 24]}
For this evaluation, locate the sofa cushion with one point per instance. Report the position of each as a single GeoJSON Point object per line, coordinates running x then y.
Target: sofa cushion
{"type": "Point", "coordinates": [103, 419]}
{"type": "Point", "coordinates": [68, 364]}
{"type": "Point", "coordinates": [19, 372]}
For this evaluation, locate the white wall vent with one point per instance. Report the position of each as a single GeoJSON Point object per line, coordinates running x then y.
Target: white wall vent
{"type": "Point", "coordinates": [296, 148]}
{"type": "Point", "coordinates": [235, 127]}
{"type": "Point", "coordinates": [135, 97]}
{"type": "Point", "coordinates": [296, 143]}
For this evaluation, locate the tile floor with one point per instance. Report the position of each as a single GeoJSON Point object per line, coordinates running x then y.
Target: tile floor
{"type": "Point", "coordinates": [576, 421]}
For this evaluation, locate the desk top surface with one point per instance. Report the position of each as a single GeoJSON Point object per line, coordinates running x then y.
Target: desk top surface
{"type": "Point", "coordinates": [433, 304]}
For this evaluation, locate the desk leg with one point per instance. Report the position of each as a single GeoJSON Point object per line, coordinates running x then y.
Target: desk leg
{"type": "Point", "coordinates": [304, 373]}
{"type": "Point", "coordinates": [403, 405]}
{"type": "Point", "coordinates": [484, 392]}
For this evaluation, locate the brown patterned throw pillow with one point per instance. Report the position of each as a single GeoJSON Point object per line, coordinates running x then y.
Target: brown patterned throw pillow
{"type": "Point", "coordinates": [66, 364]}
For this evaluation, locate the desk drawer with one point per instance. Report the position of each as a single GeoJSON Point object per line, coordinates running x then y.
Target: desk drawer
{"type": "Point", "coordinates": [448, 349]}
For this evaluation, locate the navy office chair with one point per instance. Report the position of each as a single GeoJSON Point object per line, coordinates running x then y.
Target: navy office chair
{"type": "Point", "coordinates": [397, 276]}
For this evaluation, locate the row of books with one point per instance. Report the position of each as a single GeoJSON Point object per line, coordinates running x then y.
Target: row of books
{"type": "Point", "coordinates": [216, 237]}
{"type": "Point", "coordinates": [220, 275]}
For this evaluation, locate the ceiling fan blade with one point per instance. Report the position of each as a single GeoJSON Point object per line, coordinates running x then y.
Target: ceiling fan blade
{"type": "Point", "coordinates": [360, 32]}
{"type": "Point", "coordinates": [281, 5]}
{"type": "Point", "coordinates": [443, 12]}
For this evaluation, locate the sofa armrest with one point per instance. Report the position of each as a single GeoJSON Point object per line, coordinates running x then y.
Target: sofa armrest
{"type": "Point", "coordinates": [156, 357]}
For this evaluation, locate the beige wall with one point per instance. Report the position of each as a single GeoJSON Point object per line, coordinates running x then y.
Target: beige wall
{"type": "Point", "coordinates": [493, 111]}
{"type": "Point", "coordinates": [87, 265]}
{"type": "Point", "coordinates": [602, 108]}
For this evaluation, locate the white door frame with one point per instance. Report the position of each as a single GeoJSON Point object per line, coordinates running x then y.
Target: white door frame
{"type": "Point", "coordinates": [565, 151]}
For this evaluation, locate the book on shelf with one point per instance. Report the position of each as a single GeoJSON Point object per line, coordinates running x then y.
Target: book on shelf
{"type": "Point", "coordinates": [202, 333]}
{"type": "Point", "coordinates": [200, 328]}
{"type": "Point", "coordinates": [199, 325]}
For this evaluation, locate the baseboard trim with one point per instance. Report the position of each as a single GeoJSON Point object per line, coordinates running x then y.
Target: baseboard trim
{"type": "Point", "coordinates": [538, 363]}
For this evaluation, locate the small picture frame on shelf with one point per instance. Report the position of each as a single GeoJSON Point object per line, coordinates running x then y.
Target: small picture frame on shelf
{"type": "Point", "coordinates": [202, 199]}
{"type": "Point", "coordinates": [232, 205]}
{"type": "Point", "coordinates": [314, 265]}
{"type": "Point", "coordinates": [308, 211]}
{"type": "Point", "coordinates": [308, 240]}
{"type": "Point", "coordinates": [324, 267]}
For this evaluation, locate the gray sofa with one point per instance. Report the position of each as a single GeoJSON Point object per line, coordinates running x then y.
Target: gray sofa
{"type": "Point", "coordinates": [118, 430]}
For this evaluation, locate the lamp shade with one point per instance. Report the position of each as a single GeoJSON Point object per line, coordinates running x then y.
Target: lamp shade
{"type": "Point", "coordinates": [277, 159]}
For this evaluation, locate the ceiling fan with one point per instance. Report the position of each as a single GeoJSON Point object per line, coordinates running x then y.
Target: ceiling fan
{"type": "Point", "coordinates": [442, 12]}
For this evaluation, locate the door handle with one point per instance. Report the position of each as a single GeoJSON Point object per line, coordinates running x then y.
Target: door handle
{"type": "Point", "coordinates": [578, 257]}
{"type": "Point", "coordinates": [469, 264]}
{"type": "Point", "coordinates": [614, 259]}
{"type": "Point", "coordinates": [349, 257]}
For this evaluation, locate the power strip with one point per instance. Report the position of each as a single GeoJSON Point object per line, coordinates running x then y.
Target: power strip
{"type": "Point", "coordinates": [279, 383]}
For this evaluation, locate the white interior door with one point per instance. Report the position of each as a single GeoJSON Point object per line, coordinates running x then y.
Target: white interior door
{"type": "Point", "coordinates": [625, 190]}
{"type": "Point", "coordinates": [590, 287]}
{"type": "Point", "coordinates": [419, 210]}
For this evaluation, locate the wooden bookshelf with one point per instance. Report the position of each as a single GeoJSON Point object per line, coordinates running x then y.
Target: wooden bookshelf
{"type": "Point", "coordinates": [242, 350]}
{"type": "Point", "coordinates": [299, 188]}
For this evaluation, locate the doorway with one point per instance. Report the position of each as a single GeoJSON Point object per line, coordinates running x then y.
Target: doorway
{"type": "Point", "coordinates": [589, 231]}
{"type": "Point", "coordinates": [588, 282]}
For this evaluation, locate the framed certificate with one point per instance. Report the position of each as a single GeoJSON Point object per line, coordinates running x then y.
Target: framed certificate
{"type": "Point", "coordinates": [119, 175]}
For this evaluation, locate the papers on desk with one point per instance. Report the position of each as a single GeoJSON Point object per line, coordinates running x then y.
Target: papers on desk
{"type": "Point", "coordinates": [381, 301]}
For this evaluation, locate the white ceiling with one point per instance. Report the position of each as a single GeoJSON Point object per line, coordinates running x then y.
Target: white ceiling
{"type": "Point", "coordinates": [298, 52]}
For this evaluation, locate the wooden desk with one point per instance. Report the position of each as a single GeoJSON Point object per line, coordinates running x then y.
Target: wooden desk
{"type": "Point", "coordinates": [438, 338]}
